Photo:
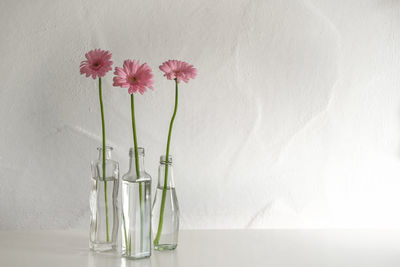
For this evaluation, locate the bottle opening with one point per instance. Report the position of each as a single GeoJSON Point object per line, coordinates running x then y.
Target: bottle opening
{"type": "Point", "coordinates": [108, 148]}
{"type": "Point", "coordinates": [132, 151]}
{"type": "Point", "coordinates": [163, 159]}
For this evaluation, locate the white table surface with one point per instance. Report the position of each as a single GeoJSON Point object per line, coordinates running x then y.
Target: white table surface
{"type": "Point", "coordinates": [209, 248]}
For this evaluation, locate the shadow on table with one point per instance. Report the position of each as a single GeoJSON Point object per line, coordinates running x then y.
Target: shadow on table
{"type": "Point", "coordinates": [113, 259]}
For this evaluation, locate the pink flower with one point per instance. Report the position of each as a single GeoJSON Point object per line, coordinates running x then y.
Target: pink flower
{"type": "Point", "coordinates": [179, 70]}
{"type": "Point", "coordinates": [134, 76]}
{"type": "Point", "coordinates": [98, 63]}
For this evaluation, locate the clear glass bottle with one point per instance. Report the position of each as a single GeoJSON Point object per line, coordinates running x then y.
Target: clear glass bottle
{"type": "Point", "coordinates": [104, 220]}
{"type": "Point", "coordinates": [165, 219]}
{"type": "Point", "coordinates": [136, 209]}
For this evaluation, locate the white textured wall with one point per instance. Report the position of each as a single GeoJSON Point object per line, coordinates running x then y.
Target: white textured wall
{"type": "Point", "coordinates": [293, 120]}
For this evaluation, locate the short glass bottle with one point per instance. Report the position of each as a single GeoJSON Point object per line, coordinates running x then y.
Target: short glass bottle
{"type": "Point", "coordinates": [103, 202]}
{"type": "Point", "coordinates": [165, 211]}
{"type": "Point", "coordinates": [136, 209]}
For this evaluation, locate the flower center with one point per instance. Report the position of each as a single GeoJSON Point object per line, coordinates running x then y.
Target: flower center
{"type": "Point", "coordinates": [133, 79]}
{"type": "Point", "coordinates": [96, 65]}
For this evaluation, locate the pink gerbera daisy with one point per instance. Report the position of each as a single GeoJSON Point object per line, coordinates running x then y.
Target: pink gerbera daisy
{"type": "Point", "coordinates": [134, 76]}
{"type": "Point", "coordinates": [97, 64]}
{"type": "Point", "coordinates": [179, 70]}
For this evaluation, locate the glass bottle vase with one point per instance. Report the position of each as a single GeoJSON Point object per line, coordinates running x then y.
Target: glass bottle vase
{"type": "Point", "coordinates": [136, 208]}
{"type": "Point", "coordinates": [104, 220]}
{"type": "Point", "coordinates": [165, 211]}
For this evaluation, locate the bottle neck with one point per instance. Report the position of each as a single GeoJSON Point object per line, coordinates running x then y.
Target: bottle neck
{"type": "Point", "coordinates": [164, 164]}
{"type": "Point", "coordinates": [107, 153]}
{"type": "Point", "coordinates": [132, 163]}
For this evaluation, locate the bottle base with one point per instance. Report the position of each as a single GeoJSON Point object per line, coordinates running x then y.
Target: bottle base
{"type": "Point", "coordinates": [163, 247]}
{"type": "Point", "coordinates": [136, 257]}
{"type": "Point", "coordinates": [102, 247]}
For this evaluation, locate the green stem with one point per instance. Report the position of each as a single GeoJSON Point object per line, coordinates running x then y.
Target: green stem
{"type": "Point", "coordinates": [134, 136]}
{"type": "Point", "coordinates": [164, 193]}
{"type": "Point", "coordinates": [137, 169]}
{"type": "Point", "coordinates": [130, 245]}
{"type": "Point", "coordinates": [125, 235]}
{"type": "Point", "coordinates": [104, 158]}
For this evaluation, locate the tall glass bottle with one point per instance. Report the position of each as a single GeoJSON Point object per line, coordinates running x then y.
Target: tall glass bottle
{"type": "Point", "coordinates": [165, 219]}
{"type": "Point", "coordinates": [136, 209]}
{"type": "Point", "coordinates": [103, 202]}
